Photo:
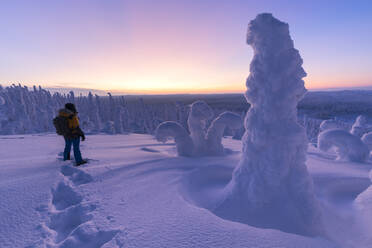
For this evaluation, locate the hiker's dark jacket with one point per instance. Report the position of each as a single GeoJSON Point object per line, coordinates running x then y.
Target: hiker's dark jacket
{"type": "Point", "coordinates": [73, 124]}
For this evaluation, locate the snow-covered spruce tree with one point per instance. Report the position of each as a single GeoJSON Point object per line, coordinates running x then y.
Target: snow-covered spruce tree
{"type": "Point", "coordinates": [348, 146]}
{"type": "Point", "coordinates": [216, 130]}
{"type": "Point", "coordinates": [200, 112]}
{"type": "Point", "coordinates": [172, 129]}
{"type": "Point", "coordinates": [271, 186]}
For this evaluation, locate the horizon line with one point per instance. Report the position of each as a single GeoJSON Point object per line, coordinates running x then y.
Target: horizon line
{"type": "Point", "coordinates": [54, 88]}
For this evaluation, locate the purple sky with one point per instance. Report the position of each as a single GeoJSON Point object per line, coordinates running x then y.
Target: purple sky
{"type": "Point", "coordinates": [175, 46]}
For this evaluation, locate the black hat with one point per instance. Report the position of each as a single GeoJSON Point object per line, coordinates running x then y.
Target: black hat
{"type": "Point", "coordinates": [70, 106]}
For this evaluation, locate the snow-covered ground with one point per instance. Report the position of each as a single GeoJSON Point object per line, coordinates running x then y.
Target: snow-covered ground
{"type": "Point", "coordinates": [136, 192]}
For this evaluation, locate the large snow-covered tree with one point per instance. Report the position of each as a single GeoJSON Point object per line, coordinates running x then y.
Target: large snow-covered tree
{"type": "Point", "coordinates": [271, 186]}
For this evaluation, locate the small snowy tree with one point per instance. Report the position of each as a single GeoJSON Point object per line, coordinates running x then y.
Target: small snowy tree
{"type": "Point", "coordinates": [271, 186]}
{"type": "Point", "coordinates": [348, 146]}
{"type": "Point", "coordinates": [109, 127]}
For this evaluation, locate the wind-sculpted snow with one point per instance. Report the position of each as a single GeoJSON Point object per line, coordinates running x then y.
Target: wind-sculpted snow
{"type": "Point", "coordinates": [171, 129]}
{"type": "Point", "coordinates": [271, 187]}
{"type": "Point", "coordinates": [217, 128]}
{"type": "Point", "coordinates": [348, 146]}
{"type": "Point", "coordinates": [199, 142]}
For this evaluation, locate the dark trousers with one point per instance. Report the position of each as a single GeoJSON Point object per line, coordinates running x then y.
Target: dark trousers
{"type": "Point", "coordinates": [72, 142]}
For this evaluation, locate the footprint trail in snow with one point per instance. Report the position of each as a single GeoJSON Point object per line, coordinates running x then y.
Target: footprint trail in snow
{"type": "Point", "coordinates": [71, 221]}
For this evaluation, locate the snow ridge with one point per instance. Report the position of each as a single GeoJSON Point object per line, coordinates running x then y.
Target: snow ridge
{"type": "Point", "coordinates": [71, 221]}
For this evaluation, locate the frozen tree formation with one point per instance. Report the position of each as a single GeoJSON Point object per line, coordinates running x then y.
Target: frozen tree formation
{"type": "Point", "coordinates": [331, 124]}
{"type": "Point", "coordinates": [199, 142]}
{"type": "Point", "coordinates": [24, 110]}
{"type": "Point", "coordinates": [347, 146]}
{"type": "Point", "coordinates": [271, 186]}
{"type": "Point", "coordinates": [172, 129]}
{"type": "Point", "coordinates": [215, 131]}
{"type": "Point", "coordinates": [360, 126]}
{"type": "Point", "coordinates": [367, 139]}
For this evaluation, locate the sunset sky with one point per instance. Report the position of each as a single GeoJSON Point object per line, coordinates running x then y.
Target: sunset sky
{"type": "Point", "coordinates": [175, 46]}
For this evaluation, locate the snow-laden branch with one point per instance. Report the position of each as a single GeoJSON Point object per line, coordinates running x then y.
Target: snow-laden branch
{"type": "Point", "coordinates": [367, 139]}
{"type": "Point", "coordinates": [360, 126]}
{"type": "Point", "coordinates": [331, 124]}
{"type": "Point", "coordinates": [200, 112]}
{"type": "Point", "coordinates": [173, 130]}
{"type": "Point", "coordinates": [348, 146]}
{"type": "Point", "coordinates": [217, 128]}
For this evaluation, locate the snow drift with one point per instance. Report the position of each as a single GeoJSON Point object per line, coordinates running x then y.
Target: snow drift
{"type": "Point", "coordinates": [348, 146]}
{"type": "Point", "coordinates": [271, 187]}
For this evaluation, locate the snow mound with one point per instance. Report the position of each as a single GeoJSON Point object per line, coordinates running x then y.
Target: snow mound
{"type": "Point", "coordinates": [348, 146]}
{"type": "Point", "coordinates": [2, 100]}
{"type": "Point", "coordinates": [272, 169]}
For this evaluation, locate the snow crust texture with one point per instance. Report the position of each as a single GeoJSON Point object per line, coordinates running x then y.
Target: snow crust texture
{"type": "Point", "coordinates": [348, 146]}
{"type": "Point", "coordinates": [199, 142]}
{"type": "Point", "coordinates": [271, 186]}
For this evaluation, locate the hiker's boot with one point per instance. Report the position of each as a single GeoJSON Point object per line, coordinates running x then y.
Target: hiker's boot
{"type": "Point", "coordinates": [81, 162]}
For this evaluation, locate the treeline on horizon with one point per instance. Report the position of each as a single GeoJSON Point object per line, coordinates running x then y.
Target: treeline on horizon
{"type": "Point", "coordinates": [24, 110]}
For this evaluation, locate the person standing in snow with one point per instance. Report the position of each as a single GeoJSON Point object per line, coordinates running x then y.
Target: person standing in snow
{"type": "Point", "coordinates": [67, 124]}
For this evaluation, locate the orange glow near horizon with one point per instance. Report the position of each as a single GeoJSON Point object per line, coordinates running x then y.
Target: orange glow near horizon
{"type": "Point", "coordinates": [169, 47]}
